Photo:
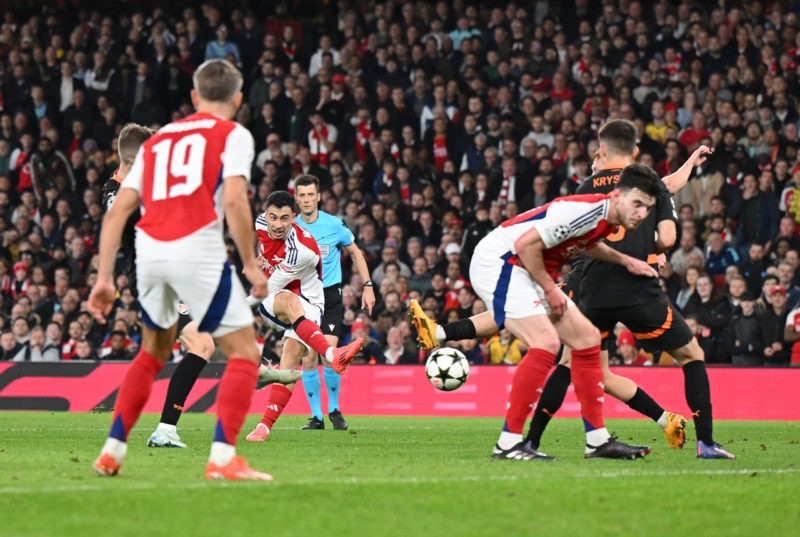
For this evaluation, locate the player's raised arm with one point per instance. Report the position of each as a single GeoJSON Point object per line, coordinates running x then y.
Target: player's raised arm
{"type": "Point", "coordinates": [678, 179]}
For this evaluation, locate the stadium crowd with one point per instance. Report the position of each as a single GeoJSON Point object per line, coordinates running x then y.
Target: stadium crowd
{"type": "Point", "coordinates": [428, 124]}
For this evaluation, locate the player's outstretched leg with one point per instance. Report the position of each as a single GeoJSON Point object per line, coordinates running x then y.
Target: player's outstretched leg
{"type": "Point", "coordinates": [271, 375]}
{"type": "Point", "coordinates": [430, 334]}
{"type": "Point", "coordinates": [342, 356]}
{"type": "Point", "coordinates": [672, 424]}
{"type": "Point", "coordinates": [425, 326]}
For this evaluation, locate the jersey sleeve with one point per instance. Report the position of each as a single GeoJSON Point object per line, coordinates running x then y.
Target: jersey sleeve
{"type": "Point", "coordinates": [110, 190]}
{"type": "Point", "coordinates": [345, 236]}
{"type": "Point", "coordinates": [135, 175]}
{"type": "Point", "coordinates": [790, 319]}
{"type": "Point", "coordinates": [237, 158]}
{"type": "Point", "coordinates": [567, 219]}
{"type": "Point", "coordinates": [665, 206]}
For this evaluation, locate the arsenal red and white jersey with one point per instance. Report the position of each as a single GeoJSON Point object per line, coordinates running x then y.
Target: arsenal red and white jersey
{"type": "Point", "coordinates": [293, 263]}
{"type": "Point", "coordinates": [178, 173]}
{"type": "Point", "coordinates": [567, 225]}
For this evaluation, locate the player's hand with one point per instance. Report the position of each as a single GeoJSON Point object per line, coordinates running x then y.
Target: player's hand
{"type": "Point", "coordinates": [640, 268]}
{"type": "Point", "coordinates": [700, 154]}
{"type": "Point", "coordinates": [252, 271]}
{"type": "Point", "coordinates": [662, 260]}
{"type": "Point", "coordinates": [101, 299]}
{"type": "Point", "coordinates": [556, 300]}
{"type": "Point", "coordinates": [368, 299]}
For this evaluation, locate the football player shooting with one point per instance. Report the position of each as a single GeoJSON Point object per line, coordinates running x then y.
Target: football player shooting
{"type": "Point", "coordinates": [295, 302]}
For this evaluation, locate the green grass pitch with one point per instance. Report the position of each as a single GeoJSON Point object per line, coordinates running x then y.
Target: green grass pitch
{"type": "Point", "coordinates": [395, 477]}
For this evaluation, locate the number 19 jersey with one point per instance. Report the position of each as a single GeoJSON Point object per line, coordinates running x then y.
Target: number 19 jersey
{"type": "Point", "coordinates": [178, 173]}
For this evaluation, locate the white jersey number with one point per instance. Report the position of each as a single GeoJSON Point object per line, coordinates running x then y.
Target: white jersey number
{"type": "Point", "coordinates": [184, 159]}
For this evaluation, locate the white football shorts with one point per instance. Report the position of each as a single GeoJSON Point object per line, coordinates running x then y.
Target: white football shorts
{"type": "Point", "coordinates": [267, 311]}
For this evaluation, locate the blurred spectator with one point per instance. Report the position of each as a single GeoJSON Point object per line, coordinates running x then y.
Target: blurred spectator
{"type": "Point", "coordinates": [11, 350]}
{"type": "Point", "coordinates": [84, 350]}
{"type": "Point", "coordinates": [116, 349]}
{"type": "Point", "coordinates": [719, 257]}
{"type": "Point", "coordinates": [222, 48]}
{"type": "Point", "coordinates": [772, 323]}
{"type": "Point", "coordinates": [713, 313]}
{"type": "Point", "coordinates": [395, 351]}
{"type": "Point", "coordinates": [753, 266]}
{"type": "Point", "coordinates": [504, 348]}
{"type": "Point", "coordinates": [371, 352]}
{"type": "Point", "coordinates": [744, 335]}
{"type": "Point", "coordinates": [627, 352]}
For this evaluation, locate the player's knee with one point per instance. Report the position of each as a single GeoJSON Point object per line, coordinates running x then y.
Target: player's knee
{"type": "Point", "coordinates": [310, 361]}
{"type": "Point", "coordinates": [202, 346]}
{"type": "Point", "coordinates": [690, 352]}
{"type": "Point", "coordinates": [551, 345]}
{"type": "Point", "coordinates": [589, 336]}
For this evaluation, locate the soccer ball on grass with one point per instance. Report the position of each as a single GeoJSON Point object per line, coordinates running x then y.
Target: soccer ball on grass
{"type": "Point", "coordinates": [447, 369]}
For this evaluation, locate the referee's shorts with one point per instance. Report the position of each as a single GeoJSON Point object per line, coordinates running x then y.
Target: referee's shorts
{"type": "Point", "coordinates": [333, 315]}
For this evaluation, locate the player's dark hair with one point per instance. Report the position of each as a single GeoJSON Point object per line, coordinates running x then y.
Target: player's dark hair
{"type": "Point", "coordinates": [642, 177]}
{"type": "Point", "coordinates": [307, 180]}
{"type": "Point", "coordinates": [619, 135]}
{"type": "Point", "coordinates": [280, 199]}
{"type": "Point", "coordinates": [217, 80]}
{"type": "Point", "coordinates": [131, 137]}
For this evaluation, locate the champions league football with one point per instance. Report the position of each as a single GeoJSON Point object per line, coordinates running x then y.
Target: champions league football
{"type": "Point", "coordinates": [447, 369]}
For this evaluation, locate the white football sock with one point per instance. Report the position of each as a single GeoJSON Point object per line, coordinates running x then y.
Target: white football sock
{"type": "Point", "coordinates": [221, 453]}
{"type": "Point", "coordinates": [440, 335]}
{"type": "Point", "coordinates": [116, 448]}
{"type": "Point", "coordinates": [508, 440]}
{"type": "Point", "coordinates": [597, 438]}
{"type": "Point", "coordinates": [662, 421]}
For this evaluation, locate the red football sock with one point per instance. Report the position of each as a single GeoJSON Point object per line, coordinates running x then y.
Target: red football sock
{"type": "Point", "coordinates": [133, 394]}
{"type": "Point", "coordinates": [234, 394]}
{"type": "Point", "coordinates": [525, 387]}
{"type": "Point", "coordinates": [587, 377]}
{"type": "Point", "coordinates": [279, 396]}
{"type": "Point", "coordinates": [310, 332]}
